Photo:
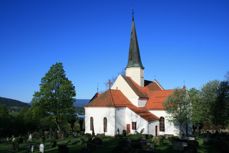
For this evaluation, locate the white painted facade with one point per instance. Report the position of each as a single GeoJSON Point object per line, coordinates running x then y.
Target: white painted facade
{"type": "Point", "coordinates": [142, 102]}
{"type": "Point", "coordinates": [170, 128]}
{"type": "Point", "coordinates": [136, 74]}
{"type": "Point", "coordinates": [121, 117]}
{"type": "Point", "coordinates": [98, 114]}
{"type": "Point", "coordinates": [117, 120]}
{"type": "Point", "coordinates": [121, 84]}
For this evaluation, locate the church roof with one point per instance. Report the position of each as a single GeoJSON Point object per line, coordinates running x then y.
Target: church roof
{"type": "Point", "coordinates": [154, 92]}
{"type": "Point", "coordinates": [137, 89]}
{"type": "Point", "coordinates": [134, 59]}
{"type": "Point", "coordinates": [157, 98]}
{"type": "Point", "coordinates": [115, 98]}
{"type": "Point", "coordinates": [110, 98]}
{"type": "Point", "coordinates": [154, 85]}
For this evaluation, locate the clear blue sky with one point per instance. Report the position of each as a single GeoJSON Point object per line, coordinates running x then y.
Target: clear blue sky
{"type": "Point", "coordinates": [180, 41]}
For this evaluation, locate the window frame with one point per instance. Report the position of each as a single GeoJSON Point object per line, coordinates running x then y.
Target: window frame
{"type": "Point", "coordinates": [162, 124]}
{"type": "Point", "coordinates": [134, 125]}
{"type": "Point", "coordinates": [104, 124]}
{"type": "Point", "coordinates": [91, 123]}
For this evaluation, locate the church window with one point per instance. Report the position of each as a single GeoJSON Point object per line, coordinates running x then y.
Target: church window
{"type": "Point", "coordinates": [91, 124]}
{"type": "Point", "coordinates": [104, 124]}
{"type": "Point", "coordinates": [134, 125]}
{"type": "Point", "coordinates": [162, 124]}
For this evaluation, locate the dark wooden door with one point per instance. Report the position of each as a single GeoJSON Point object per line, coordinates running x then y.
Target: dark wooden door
{"type": "Point", "coordinates": [156, 130]}
{"type": "Point", "coordinates": [128, 128]}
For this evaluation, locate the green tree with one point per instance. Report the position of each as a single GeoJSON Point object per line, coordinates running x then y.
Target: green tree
{"type": "Point", "coordinates": [4, 121]}
{"type": "Point", "coordinates": [179, 107]}
{"type": "Point", "coordinates": [196, 104]}
{"type": "Point", "coordinates": [56, 94]}
{"type": "Point", "coordinates": [221, 106]}
{"type": "Point", "coordinates": [208, 100]}
{"type": "Point", "coordinates": [72, 120]}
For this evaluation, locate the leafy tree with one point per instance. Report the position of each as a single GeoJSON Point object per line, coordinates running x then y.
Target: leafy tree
{"type": "Point", "coordinates": [4, 121]}
{"type": "Point", "coordinates": [227, 76]}
{"type": "Point", "coordinates": [197, 117]}
{"type": "Point", "coordinates": [221, 107]}
{"type": "Point", "coordinates": [72, 120]}
{"type": "Point", "coordinates": [208, 101]}
{"type": "Point", "coordinates": [56, 94]}
{"type": "Point", "coordinates": [179, 107]}
{"type": "Point", "coordinates": [194, 96]}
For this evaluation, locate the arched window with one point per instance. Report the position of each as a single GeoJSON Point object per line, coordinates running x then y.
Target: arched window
{"type": "Point", "coordinates": [104, 124]}
{"type": "Point", "coordinates": [162, 124]}
{"type": "Point", "coordinates": [91, 124]}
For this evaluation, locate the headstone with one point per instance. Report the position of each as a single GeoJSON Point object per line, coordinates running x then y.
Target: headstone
{"type": "Point", "coordinates": [32, 148]}
{"type": "Point", "coordinates": [41, 148]}
{"type": "Point", "coordinates": [30, 137]}
{"type": "Point", "coordinates": [14, 143]}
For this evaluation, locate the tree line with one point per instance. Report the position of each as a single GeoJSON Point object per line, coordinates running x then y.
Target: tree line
{"type": "Point", "coordinates": [206, 109]}
{"type": "Point", "coordinates": [52, 107]}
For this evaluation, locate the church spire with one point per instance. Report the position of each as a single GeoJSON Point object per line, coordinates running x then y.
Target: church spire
{"type": "Point", "coordinates": [134, 59]}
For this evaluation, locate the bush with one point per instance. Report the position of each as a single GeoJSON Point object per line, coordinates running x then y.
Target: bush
{"type": "Point", "coordinates": [62, 148]}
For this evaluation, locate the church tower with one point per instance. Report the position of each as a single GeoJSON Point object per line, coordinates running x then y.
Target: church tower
{"type": "Point", "coordinates": [134, 68]}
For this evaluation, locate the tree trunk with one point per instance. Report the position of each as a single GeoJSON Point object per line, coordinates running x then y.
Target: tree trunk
{"type": "Point", "coordinates": [57, 124]}
{"type": "Point", "coordinates": [180, 130]}
{"type": "Point", "coordinates": [186, 129]}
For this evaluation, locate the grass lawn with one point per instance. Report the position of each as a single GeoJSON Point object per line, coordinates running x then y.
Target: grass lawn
{"type": "Point", "coordinates": [127, 144]}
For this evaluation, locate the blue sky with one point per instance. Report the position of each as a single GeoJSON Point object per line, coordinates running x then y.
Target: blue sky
{"type": "Point", "coordinates": [181, 41]}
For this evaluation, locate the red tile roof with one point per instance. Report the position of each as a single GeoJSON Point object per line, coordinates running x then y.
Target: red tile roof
{"type": "Point", "coordinates": [154, 86]}
{"type": "Point", "coordinates": [154, 92]}
{"type": "Point", "coordinates": [115, 98]}
{"type": "Point", "coordinates": [137, 89]}
{"type": "Point", "coordinates": [157, 98]}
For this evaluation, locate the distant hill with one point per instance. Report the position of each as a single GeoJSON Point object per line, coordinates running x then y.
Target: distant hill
{"type": "Point", "coordinates": [16, 105]}
{"type": "Point", "coordinates": [12, 104]}
{"type": "Point", "coordinates": [81, 102]}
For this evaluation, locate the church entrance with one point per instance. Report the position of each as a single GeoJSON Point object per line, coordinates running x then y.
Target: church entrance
{"type": "Point", "coordinates": [156, 130]}
{"type": "Point", "coordinates": [128, 128]}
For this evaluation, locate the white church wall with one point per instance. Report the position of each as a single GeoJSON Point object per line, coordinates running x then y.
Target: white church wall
{"type": "Point", "coordinates": [121, 84]}
{"type": "Point", "coordinates": [142, 124]}
{"type": "Point", "coordinates": [136, 74]}
{"type": "Point", "coordinates": [98, 114]}
{"type": "Point", "coordinates": [142, 102]}
{"type": "Point", "coordinates": [152, 127]}
{"type": "Point", "coordinates": [170, 128]}
{"type": "Point", "coordinates": [120, 119]}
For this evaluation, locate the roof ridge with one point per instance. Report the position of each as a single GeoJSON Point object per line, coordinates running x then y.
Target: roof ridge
{"type": "Point", "coordinates": [135, 87]}
{"type": "Point", "coordinates": [112, 100]}
{"type": "Point", "coordinates": [145, 113]}
{"type": "Point", "coordinates": [157, 82]}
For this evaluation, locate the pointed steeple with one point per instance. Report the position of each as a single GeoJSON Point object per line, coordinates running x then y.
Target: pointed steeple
{"type": "Point", "coordinates": [134, 59]}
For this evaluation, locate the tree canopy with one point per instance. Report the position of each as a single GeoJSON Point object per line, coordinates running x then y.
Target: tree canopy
{"type": "Point", "coordinates": [55, 96]}
{"type": "Point", "coordinates": [208, 107]}
{"type": "Point", "coordinates": [178, 106]}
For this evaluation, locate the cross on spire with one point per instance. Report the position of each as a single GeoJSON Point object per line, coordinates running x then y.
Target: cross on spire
{"type": "Point", "coordinates": [109, 84]}
{"type": "Point", "coordinates": [132, 14]}
{"type": "Point", "coordinates": [134, 59]}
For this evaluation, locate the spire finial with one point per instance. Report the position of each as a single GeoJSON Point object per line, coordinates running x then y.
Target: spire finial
{"type": "Point", "coordinates": [97, 87]}
{"type": "Point", "coordinates": [134, 59]}
{"type": "Point", "coordinates": [132, 14]}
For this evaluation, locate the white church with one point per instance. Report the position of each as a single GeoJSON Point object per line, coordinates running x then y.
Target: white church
{"type": "Point", "coordinates": [132, 104]}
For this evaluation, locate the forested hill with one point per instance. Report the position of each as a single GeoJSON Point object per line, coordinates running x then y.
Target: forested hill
{"type": "Point", "coordinates": [12, 104]}
{"type": "Point", "coordinates": [16, 105]}
{"type": "Point", "coordinates": [81, 102]}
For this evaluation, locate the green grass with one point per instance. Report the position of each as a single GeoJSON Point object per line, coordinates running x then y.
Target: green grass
{"type": "Point", "coordinates": [109, 144]}
{"type": "Point", "coordinates": [215, 145]}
